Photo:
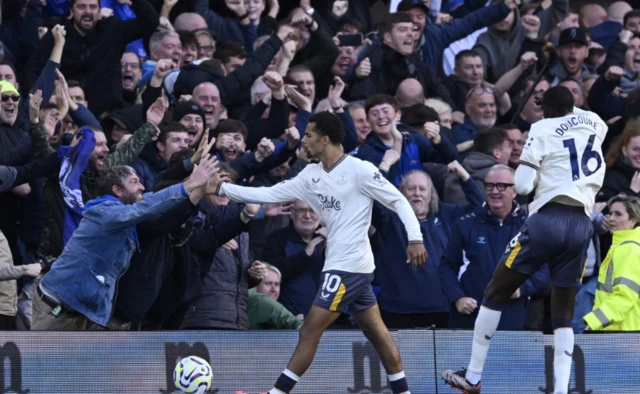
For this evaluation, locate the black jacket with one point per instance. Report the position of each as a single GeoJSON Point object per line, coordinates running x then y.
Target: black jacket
{"type": "Point", "coordinates": [94, 59]}
{"type": "Point", "coordinates": [235, 87]}
{"type": "Point", "coordinates": [389, 68]}
{"type": "Point", "coordinates": [617, 180]}
{"type": "Point", "coordinates": [225, 286]}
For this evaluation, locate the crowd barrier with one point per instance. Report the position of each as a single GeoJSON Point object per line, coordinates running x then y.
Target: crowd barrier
{"type": "Point", "coordinates": [249, 362]}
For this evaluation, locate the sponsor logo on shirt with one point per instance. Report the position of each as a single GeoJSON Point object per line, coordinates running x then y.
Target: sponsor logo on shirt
{"type": "Point", "coordinates": [329, 202]}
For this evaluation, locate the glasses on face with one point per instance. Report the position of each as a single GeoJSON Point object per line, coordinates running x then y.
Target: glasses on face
{"type": "Point", "coordinates": [488, 186]}
{"type": "Point", "coordinates": [206, 47]}
{"type": "Point", "coordinates": [133, 66]}
{"type": "Point", "coordinates": [303, 211]}
{"type": "Point", "coordinates": [13, 98]}
{"type": "Point", "coordinates": [480, 90]}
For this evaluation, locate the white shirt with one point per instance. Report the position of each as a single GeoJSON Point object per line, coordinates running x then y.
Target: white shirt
{"type": "Point", "coordinates": [564, 160]}
{"type": "Point", "coordinates": [343, 196]}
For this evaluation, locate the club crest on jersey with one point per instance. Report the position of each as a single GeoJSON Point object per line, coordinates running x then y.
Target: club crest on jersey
{"type": "Point", "coordinates": [342, 179]}
{"type": "Point", "coordinates": [329, 202]}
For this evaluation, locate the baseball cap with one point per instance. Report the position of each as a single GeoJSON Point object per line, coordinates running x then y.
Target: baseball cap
{"type": "Point", "coordinates": [573, 34]}
{"type": "Point", "coordinates": [406, 5]}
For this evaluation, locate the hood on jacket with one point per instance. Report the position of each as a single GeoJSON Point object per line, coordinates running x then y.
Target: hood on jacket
{"type": "Point", "coordinates": [99, 200]}
{"type": "Point", "coordinates": [150, 155]}
{"type": "Point", "coordinates": [477, 162]}
{"type": "Point", "coordinates": [191, 76]}
{"type": "Point", "coordinates": [130, 118]}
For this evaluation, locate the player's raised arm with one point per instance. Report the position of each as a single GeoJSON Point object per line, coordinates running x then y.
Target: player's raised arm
{"type": "Point", "coordinates": [284, 191]}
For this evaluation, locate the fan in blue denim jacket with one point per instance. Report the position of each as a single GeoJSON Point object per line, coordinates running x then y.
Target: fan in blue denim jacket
{"type": "Point", "coordinates": [78, 293]}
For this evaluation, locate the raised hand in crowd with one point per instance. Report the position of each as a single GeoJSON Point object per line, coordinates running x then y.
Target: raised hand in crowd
{"type": "Point", "coordinates": [274, 81]}
{"type": "Point", "coordinates": [531, 25]}
{"type": "Point", "coordinates": [202, 173]}
{"type": "Point", "coordinates": [458, 170]}
{"type": "Point", "coordinates": [614, 73]}
{"type": "Point", "coordinates": [512, 4]}
{"type": "Point", "coordinates": [624, 36]}
{"type": "Point", "coordinates": [285, 33]}
{"type": "Point", "coordinates": [265, 149]}
{"type": "Point", "coordinates": [59, 33]}
{"type": "Point", "coordinates": [163, 68]}
{"type": "Point", "coordinates": [61, 99]}
{"type": "Point", "coordinates": [432, 132]}
{"type": "Point", "coordinates": [35, 101]}
{"type": "Point", "coordinates": [258, 270]}
{"type": "Point", "coordinates": [155, 113]}
{"type": "Point", "coordinates": [73, 106]}
{"type": "Point", "coordinates": [298, 99]}
{"type": "Point", "coordinates": [165, 24]}
{"type": "Point", "coordinates": [293, 137]}
{"type": "Point", "coordinates": [335, 95]}
{"type": "Point", "coordinates": [527, 60]}
{"type": "Point", "coordinates": [204, 147]}
{"type": "Point", "coordinates": [364, 68]}
{"type": "Point", "coordinates": [105, 13]}
{"type": "Point", "coordinates": [274, 8]}
{"type": "Point", "coordinates": [41, 32]}
{"type": "Point", "coordinates": [167, 6]}
{"type": "Point", "coordinates": [340, 7]}
{"type": "Point", "coordinates": [282, 209]}
{"type": "Point", "coordinates": [443, 18]}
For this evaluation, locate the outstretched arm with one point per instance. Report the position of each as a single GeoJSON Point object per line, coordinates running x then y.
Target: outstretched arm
{"type": "Point", "coordinates": [282, 192]}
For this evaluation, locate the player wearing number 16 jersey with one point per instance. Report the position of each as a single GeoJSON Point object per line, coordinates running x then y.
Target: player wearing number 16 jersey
{"type": "Point", "coordinates": [562, 161]}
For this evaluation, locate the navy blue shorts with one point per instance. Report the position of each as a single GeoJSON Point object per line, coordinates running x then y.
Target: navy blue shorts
{"type": "Point", "coordinates": [558, 235]}
{"type": "Point", "coordinates": [345, 292]}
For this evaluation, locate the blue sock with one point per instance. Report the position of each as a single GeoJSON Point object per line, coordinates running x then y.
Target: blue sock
{"type": "Point", "coordinates": [285, 382]}
{"type": "Point", "coordinates": [398, 383]}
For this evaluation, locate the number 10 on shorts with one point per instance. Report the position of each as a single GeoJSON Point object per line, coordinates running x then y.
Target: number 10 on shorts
{"type": "Point", "coordinates": [331, 283]}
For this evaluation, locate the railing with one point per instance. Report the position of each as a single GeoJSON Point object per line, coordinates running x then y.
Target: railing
{"type": "Point", "coordinates": [250, 362]}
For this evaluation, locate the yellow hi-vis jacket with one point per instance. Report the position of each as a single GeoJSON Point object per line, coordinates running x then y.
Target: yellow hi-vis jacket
{"type": "Point", "coordinates": [617, 302]}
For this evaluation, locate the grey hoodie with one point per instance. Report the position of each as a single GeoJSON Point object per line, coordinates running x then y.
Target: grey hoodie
{"type": "Point", "coordinates": [478, 165]}
{"type": "Point", "coordinates": [500, 52]}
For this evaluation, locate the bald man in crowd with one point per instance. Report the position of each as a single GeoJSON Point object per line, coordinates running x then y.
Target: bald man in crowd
{"type": "Point", "coordinates": [410, 92]}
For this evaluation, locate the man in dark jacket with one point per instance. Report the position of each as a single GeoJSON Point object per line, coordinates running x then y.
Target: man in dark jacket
{"type": "Point", "coordinates": [394, 61]}
{"type": "Point", "coordinates": [414, 298]}
{"type": "Point", "coordinates": [298, 252]}
{"type": "Point", "coordinates": [476, 244]}
{"type": "Point", "coordinates": [155, 156]}
{"type": "Point", "coordinates": [93, 50]}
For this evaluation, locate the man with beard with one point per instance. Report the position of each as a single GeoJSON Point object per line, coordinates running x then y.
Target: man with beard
{"type": "Point", "coordinates": [78, 293]}
{"type": "Point", "coordinates": [573, 51]}
{"type": "Point", "coordinates": [93, 50]}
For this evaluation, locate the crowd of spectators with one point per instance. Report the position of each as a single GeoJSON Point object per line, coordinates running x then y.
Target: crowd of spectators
{"type": "Point", "coordinates": [119, 117]}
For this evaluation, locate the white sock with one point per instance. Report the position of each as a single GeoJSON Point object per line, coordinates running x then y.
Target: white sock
{"type": "Point", "coordinates": [562, 357]}
{"type": "Point", "coordinates": [486, 325]}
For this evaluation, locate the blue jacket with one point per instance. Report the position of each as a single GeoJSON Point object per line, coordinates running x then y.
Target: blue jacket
{"type": "Point", "coordinates": [403, 290]}
{"type": "Point", "coordinates": [86, 274]}
{"type": "Point", "coordinates": [475, 247]}
{"type": "Point", "coordinates": [301, 274]}
{"type": "Point", "coordinates": [464, 132]}
{"type": "Point", "coordinates": [416, 149]}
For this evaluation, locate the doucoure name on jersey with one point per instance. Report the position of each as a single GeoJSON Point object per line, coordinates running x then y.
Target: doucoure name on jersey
{"type": "Point", "coordinates": [575, 121]}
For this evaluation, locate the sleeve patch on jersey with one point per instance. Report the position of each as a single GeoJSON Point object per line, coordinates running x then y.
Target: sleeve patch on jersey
{"type": "Point", "coordinates": [529, 165]}
{"type": "Point", "coordinates": [379, 178]}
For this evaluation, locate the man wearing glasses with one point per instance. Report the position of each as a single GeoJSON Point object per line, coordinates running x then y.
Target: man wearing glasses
{"type": "Point", "coordinates": [476, 244]}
